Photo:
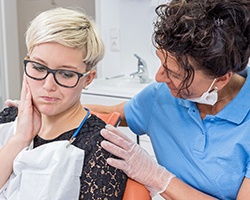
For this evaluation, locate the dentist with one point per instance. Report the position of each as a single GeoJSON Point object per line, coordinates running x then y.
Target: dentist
{"type": "Point", "coordinates": [197, 114]}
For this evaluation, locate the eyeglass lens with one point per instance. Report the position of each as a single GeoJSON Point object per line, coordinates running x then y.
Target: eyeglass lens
{"type": "Point", "coordinates": [65, 78]}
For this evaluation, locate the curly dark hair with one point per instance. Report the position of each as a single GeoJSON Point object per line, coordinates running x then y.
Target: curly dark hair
{"type": "Point", "coordinates": [214, 34]}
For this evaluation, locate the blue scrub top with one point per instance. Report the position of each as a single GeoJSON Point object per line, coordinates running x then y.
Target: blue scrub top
{"type": "Point", "coordinates": [211, 155]}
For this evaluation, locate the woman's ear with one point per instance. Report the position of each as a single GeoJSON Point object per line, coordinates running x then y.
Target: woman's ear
{"type": "Point", "coordinates": [90, 78]}
{"type": "Point", "coordinates": [223, 80]}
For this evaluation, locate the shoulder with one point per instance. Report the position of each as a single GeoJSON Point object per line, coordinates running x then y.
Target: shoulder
{"type": "Point", "coordinates": [95, 123]}
{"type": "Point", "coordinates": [154, 93]}
{"type": "Point", "coordinates": [155, 87]}
{"type": "Point", "coordinates": [89, 137]}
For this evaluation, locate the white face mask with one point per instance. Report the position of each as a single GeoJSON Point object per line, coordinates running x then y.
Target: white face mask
{"type": "Point", "coordinates": [209, 98]}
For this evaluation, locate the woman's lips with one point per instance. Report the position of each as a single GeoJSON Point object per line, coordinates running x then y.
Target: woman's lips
{"type": "Point", "coordinates": [49, 99]}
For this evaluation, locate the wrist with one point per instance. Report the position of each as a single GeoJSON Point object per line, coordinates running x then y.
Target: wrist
{"type": "Point", "coordinates": [19, 142]}
{"type": "Point", "coordinates": [161, 181]}
{"type": "Point", "coordinates": [165, 179]}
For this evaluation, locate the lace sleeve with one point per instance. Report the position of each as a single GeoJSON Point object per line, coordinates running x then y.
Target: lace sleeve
{"type": "Point", "coordinates": [99, 180]}
{"type": "Point", "coordinates": [8, 114]}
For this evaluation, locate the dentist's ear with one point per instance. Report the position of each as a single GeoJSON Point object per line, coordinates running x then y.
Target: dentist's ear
{"type": "Point", "coordinates": [89, 78]}
{"type": "Point", "coordinates": [223, 80]}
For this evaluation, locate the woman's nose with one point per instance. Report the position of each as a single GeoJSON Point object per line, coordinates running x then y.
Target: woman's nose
{"type": "Point", "coordinates": [49, 82]}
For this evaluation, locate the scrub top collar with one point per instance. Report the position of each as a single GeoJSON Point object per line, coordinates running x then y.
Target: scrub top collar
{"type": "Point", "coordinates": [238, 105]}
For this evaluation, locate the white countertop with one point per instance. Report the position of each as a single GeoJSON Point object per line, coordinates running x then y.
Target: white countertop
{"type": "Point", "coordinates": [120, 87]}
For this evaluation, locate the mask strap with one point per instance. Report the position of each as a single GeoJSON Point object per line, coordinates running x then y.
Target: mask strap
{"type": "Point", "coordinates": [212, 85]}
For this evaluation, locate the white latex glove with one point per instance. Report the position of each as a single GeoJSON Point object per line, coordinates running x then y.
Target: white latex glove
{"type": "Point", "coordinates": [135, 161]}
{"type": "Point", "coordinates": [12, 103]}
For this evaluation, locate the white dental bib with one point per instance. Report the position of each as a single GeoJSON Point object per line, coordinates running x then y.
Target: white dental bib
{"type": "Point", "coordinates": [49, 172]}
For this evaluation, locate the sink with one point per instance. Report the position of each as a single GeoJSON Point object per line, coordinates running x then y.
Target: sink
{"type": "Point", "coordinates": [134, 82]}
{"type": "Point", "coordinates": [121, 82]}
{"type": "Point", "coordinates": [116, 86]}
{"type": "Point", "coordinates": [125, 82]}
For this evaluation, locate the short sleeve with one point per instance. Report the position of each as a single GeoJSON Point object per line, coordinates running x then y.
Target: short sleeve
{"type": "Point", "coordinates": [139, 109]}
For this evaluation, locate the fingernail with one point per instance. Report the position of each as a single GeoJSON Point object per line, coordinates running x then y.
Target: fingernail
{"type": "Point", "coordinates": [104, 132]}
{"type": "Point", "coordinates": [107, 126]}
{"type": "Point", "coordinates": [103, 143]}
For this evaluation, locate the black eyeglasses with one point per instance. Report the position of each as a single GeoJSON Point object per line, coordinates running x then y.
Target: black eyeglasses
{"type": "Point", "coordinates": [64, 78]}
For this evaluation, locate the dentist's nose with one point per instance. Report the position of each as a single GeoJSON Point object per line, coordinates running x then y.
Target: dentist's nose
{"type": "Point", "coordinates": [161, 75]}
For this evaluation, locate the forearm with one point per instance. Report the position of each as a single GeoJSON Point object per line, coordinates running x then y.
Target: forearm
{"type": "Point", "coordinates": [180, 190]}
{"type": "Point", "coordinates": [243, 193]}
{"type": "Point", "coordinates": [7, 155]}
{"type": "Point", "coordinates": [27, 127]}
{"type": "Point", "coordinates": [109, 109]}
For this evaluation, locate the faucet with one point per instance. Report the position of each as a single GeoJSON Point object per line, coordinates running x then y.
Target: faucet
{"type": "Point", "coordinates": [142, 71]}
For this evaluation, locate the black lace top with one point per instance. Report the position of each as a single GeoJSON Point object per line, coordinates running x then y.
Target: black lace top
{"type": "Point", "coordinates": [99, 181]}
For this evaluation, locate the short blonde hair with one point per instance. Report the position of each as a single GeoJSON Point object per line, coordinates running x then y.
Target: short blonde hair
{"type": "Point", "coordinates": [69, 27]}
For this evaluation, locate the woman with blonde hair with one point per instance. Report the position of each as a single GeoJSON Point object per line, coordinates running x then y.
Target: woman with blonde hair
{"type": "Point", "coordinates": [52, 150]}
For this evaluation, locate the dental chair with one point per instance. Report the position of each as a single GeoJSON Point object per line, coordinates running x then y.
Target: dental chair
{"type": "Point", "coordinates": [133, 190]}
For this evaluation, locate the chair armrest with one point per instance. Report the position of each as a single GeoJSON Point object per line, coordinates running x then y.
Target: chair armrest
{"type": "Point", "coordinates": [135, 191]}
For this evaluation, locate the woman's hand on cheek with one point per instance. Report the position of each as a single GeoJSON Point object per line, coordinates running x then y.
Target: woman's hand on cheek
{"type": "Point", "coordinates": [29, 118]}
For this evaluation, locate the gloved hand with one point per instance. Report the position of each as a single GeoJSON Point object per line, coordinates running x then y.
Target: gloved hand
{"type": "Point", "coordinates": [135, 161]}
{"type": "Point", "coordinates": [12, 103]}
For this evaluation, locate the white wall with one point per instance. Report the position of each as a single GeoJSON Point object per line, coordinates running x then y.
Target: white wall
{"type": "Point", "coordinates": [28, 9]}
{"type": "Point", "coordinates": [9, 55]}
{"type": "Point", "coordinates": [132, 21]}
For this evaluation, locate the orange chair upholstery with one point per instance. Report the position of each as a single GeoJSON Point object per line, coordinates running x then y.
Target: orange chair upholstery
{"type": "Point", "coordinates": [133, 190]}
{"type": "Point", "coordinates": [113, 118]}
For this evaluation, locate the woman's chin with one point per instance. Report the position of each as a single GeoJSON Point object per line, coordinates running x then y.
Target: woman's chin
{"type": "Point", "coordinates": [46, 110]}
